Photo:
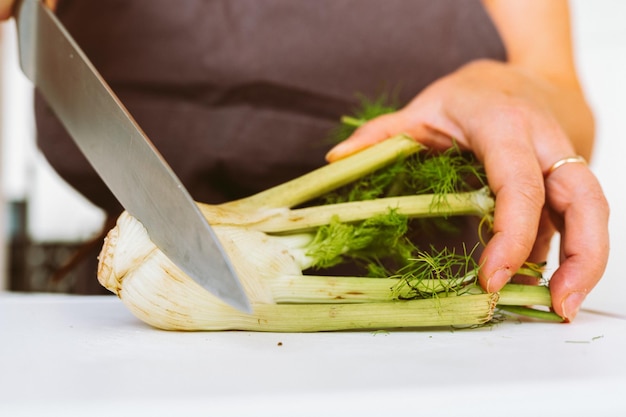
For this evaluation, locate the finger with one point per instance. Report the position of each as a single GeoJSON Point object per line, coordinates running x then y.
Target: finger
{"type": "Point", "coordinates": [541, 248]}
{"type": "Point", "coordinates": [515, 178]}
{"type": "Point", "coordinates": [546, 231]}
{"type": "Point", "coordinates": [576, 196]}
{"type": "Point", "coordinates": [516, 220]}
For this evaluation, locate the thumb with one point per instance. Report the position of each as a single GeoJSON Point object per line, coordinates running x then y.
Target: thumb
{"type": "Point", "coordinates": [374, 131]}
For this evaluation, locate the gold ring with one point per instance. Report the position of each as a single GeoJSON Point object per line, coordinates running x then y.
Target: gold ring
{"type": "Point", "coordinates": [577, 159]}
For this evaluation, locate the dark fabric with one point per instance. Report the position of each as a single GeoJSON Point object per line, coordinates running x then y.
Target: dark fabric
{"type": "Point", "coordinates": [240, 95]}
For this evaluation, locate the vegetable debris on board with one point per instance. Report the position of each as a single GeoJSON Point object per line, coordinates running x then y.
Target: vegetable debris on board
{"type": "Point", "coordinates": [361, 210]}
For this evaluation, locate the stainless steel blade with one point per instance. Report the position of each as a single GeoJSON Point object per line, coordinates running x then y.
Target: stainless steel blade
{"type": "Point", "coordinates": [121, 153]}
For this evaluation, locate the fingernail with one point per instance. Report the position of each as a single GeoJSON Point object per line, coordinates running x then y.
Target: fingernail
{"type": "Point", "coordinates": [497, 280]}
{"type": "Point", "coordinates": [334, 153]}
{"type": "Point", "coordinates": [571, 304]}
{"type": "Point", "coordinates": [343, 149]}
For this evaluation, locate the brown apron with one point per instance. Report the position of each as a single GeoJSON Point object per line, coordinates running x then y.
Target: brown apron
{"type": "Point", "coordinates": [240, 95]}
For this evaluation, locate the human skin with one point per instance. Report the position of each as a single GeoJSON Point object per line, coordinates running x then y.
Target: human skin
{"type": "Point", "coordinates": [519, 118]}
{"type": "Point", "coordinates": [6, 8]}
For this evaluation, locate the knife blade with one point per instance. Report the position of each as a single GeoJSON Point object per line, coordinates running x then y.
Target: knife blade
{"type": "Point", "coordinates": [121, 153]}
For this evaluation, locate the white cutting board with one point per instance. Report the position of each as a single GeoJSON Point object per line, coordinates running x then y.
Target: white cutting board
{"type": "Point", "coordinates": [88, 356]}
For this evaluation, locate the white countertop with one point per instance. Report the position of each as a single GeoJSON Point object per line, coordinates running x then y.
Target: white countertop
{"type": "Point", "coordinates": [88, 356]}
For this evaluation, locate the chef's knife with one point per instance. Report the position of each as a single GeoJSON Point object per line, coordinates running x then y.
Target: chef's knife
{"type": "Point", "coordinates": [120, 152]}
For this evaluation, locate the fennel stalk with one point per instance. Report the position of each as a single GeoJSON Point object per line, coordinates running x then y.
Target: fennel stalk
{"type": "Point", "coordinates": [270, 243]}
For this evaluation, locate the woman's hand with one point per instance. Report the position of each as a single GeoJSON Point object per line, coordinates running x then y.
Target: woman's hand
{"type": "Point", "coordinates": [519, 118]}
{"type": "Point", "coordinates": [518, 140]}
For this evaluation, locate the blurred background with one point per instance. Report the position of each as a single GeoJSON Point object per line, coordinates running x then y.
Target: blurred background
{"type": "Point", "coordinates": [45, 220]}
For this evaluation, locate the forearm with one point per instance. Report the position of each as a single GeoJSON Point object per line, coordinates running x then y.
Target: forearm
{"type": "Point", "coordinates": [537, 37]}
